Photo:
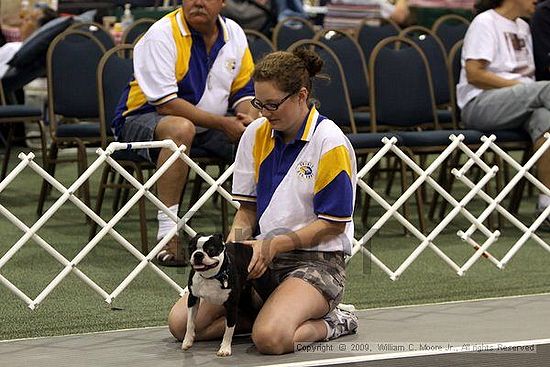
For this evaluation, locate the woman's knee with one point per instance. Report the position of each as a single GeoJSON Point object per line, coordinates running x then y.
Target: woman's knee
{"type": "Point", "coordinates": [272, 339]}
{"type": "Point", "coordinates": [177, 319]}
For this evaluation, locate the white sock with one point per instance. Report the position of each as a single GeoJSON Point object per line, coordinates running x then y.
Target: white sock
{"type": "Point", "coordinates": [544, 201]}
{"type": "Point", "coordinates": [165, 222]}
{"type": "Point", "coordinates": [330, 331]}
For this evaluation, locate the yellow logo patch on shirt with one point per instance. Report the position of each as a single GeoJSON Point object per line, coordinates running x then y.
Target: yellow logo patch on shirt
{"type": "Point", "coordinates": [305, 170]}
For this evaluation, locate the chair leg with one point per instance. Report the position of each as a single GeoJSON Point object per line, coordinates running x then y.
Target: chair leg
{"type": "Point", "coordinates": [499, 186]}
{"type": "Point", "coordinates": [126, 191]}
{"type": "Point", "coordinates": [418, 195]}
{"type": "Point", "coordinates": [450, 183]}
{"type": "Point", "coordinates": [419, 203]}
{"type": "Point", "coordinates": [446, 181]}
{"type": "Point", "coordinates": [196, 190]}
{"type": "Point", "coordinates": [82, 166]}
{"type": "Point", "coordinates": [366, 203]}
{"type": "Point", "coordinates": [7, 153]}
{"type": "Point", "coordinates": [403, 189]}
{"type": "Point", "coordinates": [142, 215]}
{"type": "Point", "coordinates": [49, 163]}
{"type": "Point", "coordinates": [443, 181]}
{"type": "Point", "coordinates": [391, 174]}
{"type": "Point", "coordinates": [422, 163]}
{"type": "Point", "coordinates": [116, 198]}
{"type": "Point", "coordinates": [99, 201]}
{"type": "Point", "coordinates": [517, 193]}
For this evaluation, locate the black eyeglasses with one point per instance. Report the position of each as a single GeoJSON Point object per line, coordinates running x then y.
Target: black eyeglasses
{"type": "Point", "coordinates": [268, 106]}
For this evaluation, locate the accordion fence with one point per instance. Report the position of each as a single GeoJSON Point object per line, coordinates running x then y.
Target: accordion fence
{"type": "Point", "coordinates": [423, 177]}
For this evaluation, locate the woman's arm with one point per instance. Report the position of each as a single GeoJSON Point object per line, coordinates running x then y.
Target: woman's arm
{"type": "Point", "coordinates": [308, 236]}
{"type": "Point", "coordinates": [478, 75]}
{"type": "Point", "coordinates": [244, 223]}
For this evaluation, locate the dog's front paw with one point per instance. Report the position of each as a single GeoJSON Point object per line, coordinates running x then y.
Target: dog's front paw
{"type": "Point", "coordinates": [225, 351]}
{"type": "Point", "coordinates": [187, 343]}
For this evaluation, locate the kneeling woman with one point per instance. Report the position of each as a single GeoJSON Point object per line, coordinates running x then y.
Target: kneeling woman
{"type": "Point", "coordinates": [295, 177]}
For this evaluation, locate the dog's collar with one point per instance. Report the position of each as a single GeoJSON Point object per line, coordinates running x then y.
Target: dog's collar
{"type": "Point", "coordinates": [223, 275]}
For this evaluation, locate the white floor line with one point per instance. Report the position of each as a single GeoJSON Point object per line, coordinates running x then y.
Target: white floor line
{"type": "Point", "coordinates": [363, 309]}
{"type": "Point", "coordinates": [456, 302]}
{"type": "Point", "coordinates": [385, 356]}
{"type": "Point", "coordinates": [86, 333]}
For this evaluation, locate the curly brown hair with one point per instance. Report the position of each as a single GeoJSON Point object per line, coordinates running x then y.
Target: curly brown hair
{"type": "Point", "coordinates": [290, 71]}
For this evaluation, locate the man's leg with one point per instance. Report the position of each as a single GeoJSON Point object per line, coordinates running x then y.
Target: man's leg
{"type": "Point", "coordinates": [181, 131]}
{"type": "Point", "coordinates": [171, 183]}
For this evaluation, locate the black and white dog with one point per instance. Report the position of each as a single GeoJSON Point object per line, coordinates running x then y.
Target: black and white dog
{"type": "Point", "coordinates": [219, 276]}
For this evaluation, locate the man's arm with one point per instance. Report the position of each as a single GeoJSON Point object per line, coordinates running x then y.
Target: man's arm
{"type": "Point", "coordinates": [231, 126]}
{"type": "Point", "coordinates": [246, 113]}
{"type": "Point", "coordinates": [478, 75]}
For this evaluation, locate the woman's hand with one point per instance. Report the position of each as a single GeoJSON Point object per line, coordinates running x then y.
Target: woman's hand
{"type": "Point", "coordinates": [263, 252]}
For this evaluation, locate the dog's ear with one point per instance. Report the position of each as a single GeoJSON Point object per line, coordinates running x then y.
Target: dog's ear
{"type": "Point", "coordinates": [193, 242]}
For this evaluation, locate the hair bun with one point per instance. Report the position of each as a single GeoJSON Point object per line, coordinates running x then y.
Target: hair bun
{"type": "Point", "coordinates": [312, 61]}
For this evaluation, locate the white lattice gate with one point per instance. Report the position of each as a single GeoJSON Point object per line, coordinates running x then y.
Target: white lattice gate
{"type": "Point", "coordinates": [424, 177]}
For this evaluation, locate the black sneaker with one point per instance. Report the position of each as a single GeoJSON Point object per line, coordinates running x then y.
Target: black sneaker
{"type": "Point", "coordinates": [340, 322]}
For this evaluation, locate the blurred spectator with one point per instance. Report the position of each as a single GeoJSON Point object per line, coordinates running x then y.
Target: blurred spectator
{"type": "Point", "coordinates": [540, 28]}
{"type": "Point", "coordinates": [497, 89]}
{"type": "Point", "coordinates": [350, 13]}
{"type": "Point", "coordinates": [30, 22]}
{"type": "Point", "coordinates": [289, 8]}
{"type": "Point", "coordinates": [34, 19]}
{"type": "Point", "coordinates": [262, 15]}
{"type": "Point", "coordinates": [259, 15]}
{"type": "Point", "coordinates": [400, 12]}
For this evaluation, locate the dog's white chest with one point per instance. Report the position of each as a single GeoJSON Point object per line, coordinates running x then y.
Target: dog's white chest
{"type": "Point", "coordinates": [209, 289]}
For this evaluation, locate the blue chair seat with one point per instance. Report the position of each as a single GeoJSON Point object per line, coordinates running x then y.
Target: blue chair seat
{"type": "Point", "coordinates": [128, 155]}
{"type": "Point", "coordinates": [437, 137]}
{"type": "Point", "coordinates": [369, 140]}
{"type": "Point", "coordinates": [507, 136]}
{"type": "Point", "coordinates": [19, 111]}
{"type": "Point", "coordinates": [80, 130]}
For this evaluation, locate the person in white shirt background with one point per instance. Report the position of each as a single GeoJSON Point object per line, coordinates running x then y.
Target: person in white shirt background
{"type": "Point", "coordinates": [497, 88]}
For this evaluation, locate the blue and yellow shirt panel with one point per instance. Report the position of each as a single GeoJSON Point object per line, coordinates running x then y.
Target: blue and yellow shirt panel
{"type": "Point", "coordinates": [294, 184]}
{"type": "Point", "coordinates": [171, 61]}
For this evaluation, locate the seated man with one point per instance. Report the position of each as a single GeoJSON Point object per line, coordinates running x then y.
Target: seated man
{"type": "Point", "coordinates": [190, 68]}
{"type": "Point", "coordinates": [497, 89]}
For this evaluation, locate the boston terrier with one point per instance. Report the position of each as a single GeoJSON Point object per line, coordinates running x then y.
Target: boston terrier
{"type": "Point", "coordinates": [219, 276]}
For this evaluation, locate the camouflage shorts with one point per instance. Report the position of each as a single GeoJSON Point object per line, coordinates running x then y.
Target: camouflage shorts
{"type": "Point", "coordinates": [326, 271]}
